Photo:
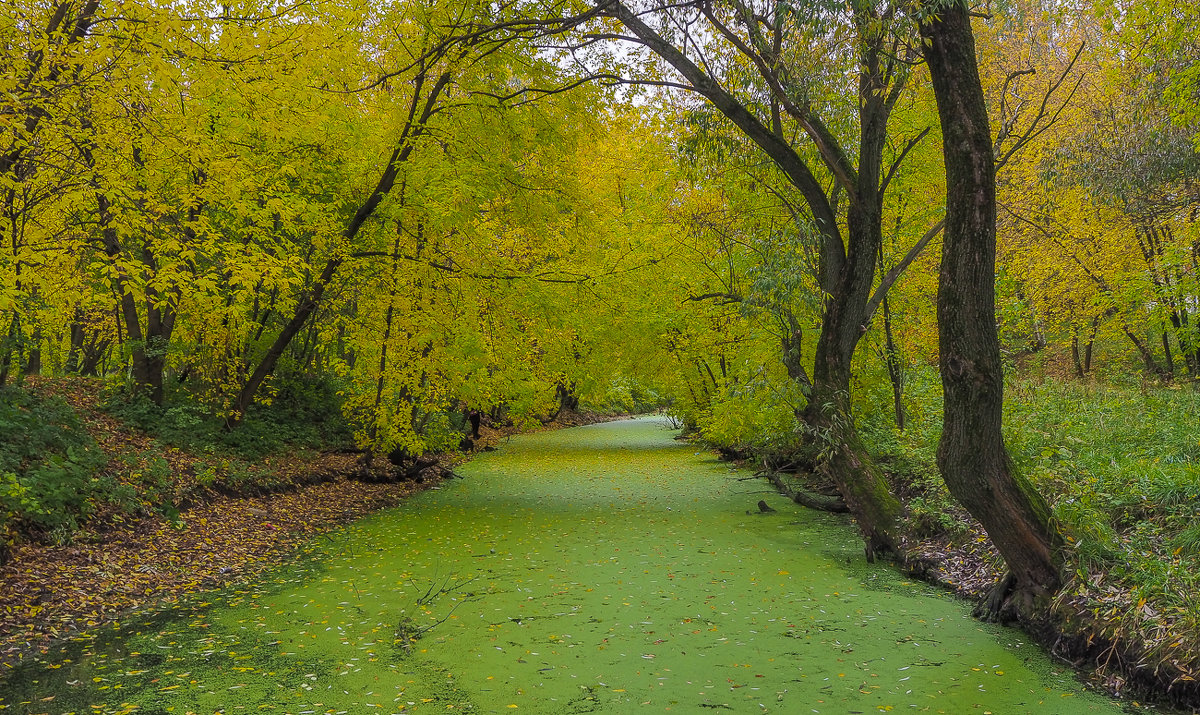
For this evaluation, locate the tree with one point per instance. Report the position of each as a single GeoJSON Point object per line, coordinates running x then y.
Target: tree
{"type": "Point", "coordinates": [971, 454]}
{"type": "Point", "coordinates": [1097, 216]}
{"type": "Point", "coordinates": [455, 58]}
{"type": "Point", "coordinates": [43, 68]}
{"type": "Point", "coordinates": [783, 94]}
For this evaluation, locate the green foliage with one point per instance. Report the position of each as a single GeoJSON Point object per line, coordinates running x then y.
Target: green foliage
{"type": "Point", "coordinates": [149, 476]}
{"type": "Point", "coordinates": [48, 467]}
{"type": "Point", "coordinates": [933, 515]}
{"type": "Point", "coordinates": [625, 395]}
{"type": "Point", "coordinates": [758, 416]}
{"type": "Point", "coordinates": [1120, 467]}
{"type": "Point", "coordinates": [441, 434]}
{"type": "Point", "coordinates": [305, 413]}
{"type": "Point", "coordinates": [910, 457]}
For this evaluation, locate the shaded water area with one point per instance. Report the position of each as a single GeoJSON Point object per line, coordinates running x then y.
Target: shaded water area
{"type": "Point", "coordinates": [606, 569]}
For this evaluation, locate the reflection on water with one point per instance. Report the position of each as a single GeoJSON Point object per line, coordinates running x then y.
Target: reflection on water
{"type": "Point", "coordinates": [607, 569]}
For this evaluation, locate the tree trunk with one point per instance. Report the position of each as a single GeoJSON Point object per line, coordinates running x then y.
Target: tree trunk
{"type": "Point", "coordinates": [33, 361]}
{"type": "Point", "coordinates": [850, 467]}
{"type": "Point", "coordinates": [894, 368]}
{"type": "Point", "coordinates": [847, 268]}
{"type": "Point", "coordinates": [1168, 358]}
{"type": "Point", "coordinates": [971, 455]}
{"type": "Point", "coordinates": [77, 336]}
{"type": "Point", "coordinates": [1091, 344]}
{"type": "Point", "coordinates": [305, 307]}
{"type": "Point", "coordinates": [8, 345]}
{"type": "Point", "coordinates": [829, 416]}
{"type": "Point", "coordinates": [1144, 350]}
{"type": "Point", "coordinates": [33, 355]}
{"type": "Point", "coordinates": [142, 372]}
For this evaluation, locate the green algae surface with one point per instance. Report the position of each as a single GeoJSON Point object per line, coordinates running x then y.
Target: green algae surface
{"type": "Point", "coordinates": [605, 569]}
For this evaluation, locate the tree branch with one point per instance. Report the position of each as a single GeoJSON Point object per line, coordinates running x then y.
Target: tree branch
{"type": "Point", "coordinates": [890, 277]}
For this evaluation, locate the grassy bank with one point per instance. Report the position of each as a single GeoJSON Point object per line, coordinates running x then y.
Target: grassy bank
{"type": "Point", "coordinates": [76, 460]}
{"type": "Point", "coordinates": [1118, 465]}
{"type": "Point", "coordinates": [110, 505]}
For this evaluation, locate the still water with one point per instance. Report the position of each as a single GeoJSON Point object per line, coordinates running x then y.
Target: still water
{"type": "Point", "coordinates": [601, 569]}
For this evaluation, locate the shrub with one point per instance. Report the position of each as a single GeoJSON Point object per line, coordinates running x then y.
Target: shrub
{"type": "Point", "coordinates": [48, 464]}
{"type": "Point", "coordinates": [305, 412]}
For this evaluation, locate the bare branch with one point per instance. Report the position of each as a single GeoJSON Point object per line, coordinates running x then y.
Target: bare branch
{"type": "Point", "coordinates": [723, 298]}
{"type": "Point", "coordinates": [1036, 128]}
{"type": "Point", "coordinates": [900, 159]}
{"type": "Point", "coordinates": [890, 277]}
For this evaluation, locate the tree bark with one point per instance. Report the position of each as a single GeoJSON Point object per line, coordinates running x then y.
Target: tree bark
{"type": "Point", "coordinates": [146, 371]}
{"type": "Point", "coordinates": [894, 367]}
{"type": "Point", "coordinates": [33, 359]}
{"type": "Point", "coordinates": [847, 464]}
{"type": "Point", "coordinates": [7, 346]}
{"type": "Point", "coordinates": [971, 455]}
{"type": "Point", "coordinates": [1091, 343]}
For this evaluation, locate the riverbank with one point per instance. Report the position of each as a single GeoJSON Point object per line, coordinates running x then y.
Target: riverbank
{"type": "Point", "coordinates": [119, 564]}
{"type": "Point", "coordinates": [1155, 661]}
{"type": "Point", "coordinates": [52, 593]}
{"type": "Point", "coordinates": [1118, 466]}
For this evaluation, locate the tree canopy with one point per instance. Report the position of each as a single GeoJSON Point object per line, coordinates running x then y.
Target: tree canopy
{"type": "Point", "coordinates": [732, 210]}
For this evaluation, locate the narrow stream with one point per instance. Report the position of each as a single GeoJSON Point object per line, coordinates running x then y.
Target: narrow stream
{"type": "Point", "coordinates": [606, 569]}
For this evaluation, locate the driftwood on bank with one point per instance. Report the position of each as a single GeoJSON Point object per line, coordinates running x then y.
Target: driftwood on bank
{"type": "Point", "coordinates": [803, 497]}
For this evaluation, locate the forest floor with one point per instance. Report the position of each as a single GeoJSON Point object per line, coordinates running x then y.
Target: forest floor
{"type": "Point", "coordinates": [117, 566]}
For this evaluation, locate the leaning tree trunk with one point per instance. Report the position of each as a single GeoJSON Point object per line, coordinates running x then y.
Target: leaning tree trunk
{"type": "Point", "coordinates": [847, 269]}
{"type": "Point", "coordinates": [829, 414]}
{"type": "Point", "coordinates": [972, 456]}
{"type": "Point", "coordinates": [829, 419]}
{"type": "Point", "coordinates": [421, 110]}
{"type": "Point", "coordinates": [850, 467]}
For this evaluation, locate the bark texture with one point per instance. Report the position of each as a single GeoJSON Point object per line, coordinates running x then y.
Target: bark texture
{"type": "Point", "coordinates": [972, 456]}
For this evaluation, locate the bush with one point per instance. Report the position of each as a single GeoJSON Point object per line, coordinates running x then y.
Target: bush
{"type": "Point", "coordinates": [305, 412]}
{"type": "Point", "coordinates": [48, 464]}
{"type": "Point", "coordinates": [756, 416]}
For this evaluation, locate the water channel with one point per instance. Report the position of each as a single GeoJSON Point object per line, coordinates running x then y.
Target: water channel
{"type": "Point", "coordinates": [601, 569]}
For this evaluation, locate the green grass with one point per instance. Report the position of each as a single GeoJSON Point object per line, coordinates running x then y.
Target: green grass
{"type": "Point", "coordinates": [1120, 467]}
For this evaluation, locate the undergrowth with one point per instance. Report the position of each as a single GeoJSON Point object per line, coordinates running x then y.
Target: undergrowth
{"type": "Point", "coordinates": [57, 477]}
{"type": "Point", "coordinates": [305, 413]}
{"type": "Point", "coordinates": [49, 469]}
{"type": "Point", "coordinates": [1119, 466]}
